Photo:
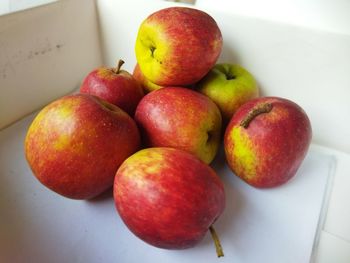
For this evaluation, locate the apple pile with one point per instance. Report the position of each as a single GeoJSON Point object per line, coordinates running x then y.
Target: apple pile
{"type": "Point", "coordinates": [156, 149]}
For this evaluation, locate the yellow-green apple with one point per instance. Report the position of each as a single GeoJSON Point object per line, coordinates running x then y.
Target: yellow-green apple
{"type": "Point", "coordinates": [177, 46]}
{"type": "Point", "coordinates": [229, 86]}
{"type": "Point", "coordinates": [114, 85]}
{"type": "Point", "coordinates": [267, 140]}
{"type": "Point", "coordinates": [180, 118]}
{"type": "Point", "coordinates": [168, 197]}
{"type": "Point", "coordinates": [146, 84]}
{"type": "Point", "coordinates": [75, 145]}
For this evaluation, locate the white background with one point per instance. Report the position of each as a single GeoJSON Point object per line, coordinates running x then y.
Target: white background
{"type": "Point", "coordinates": [332, 15]}
{"type": "Point", "coordinates": [7, 6]}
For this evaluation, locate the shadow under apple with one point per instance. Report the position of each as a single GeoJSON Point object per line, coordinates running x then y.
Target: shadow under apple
{"type": "Point", "coordinates": [104, 196]}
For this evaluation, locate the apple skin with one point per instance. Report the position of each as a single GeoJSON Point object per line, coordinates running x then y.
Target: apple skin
{"type": "Point", "coordinates": [180, 118]}
{"type": "Point", "coordinates": [167, 197]}
{"type": "Point", "coordinates": [229, 86]}
{"type": "Point", "coordinates": [146, 84]}
{"type": "Point", "coordinates": [177, 46]}
{"type": "Point", "coordinates": [115, 86]}
{"type": "Point", "coordinates": [75, 145]}
{"type": "Point", "coordinates": [270, 150]}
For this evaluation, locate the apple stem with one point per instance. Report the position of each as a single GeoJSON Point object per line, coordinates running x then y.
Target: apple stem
{"type": "Point", "coordinates": [119, 65]}
{"type": "Point", "coordinates": [217, 243]}
{"type": "Point", "coordinates": [257, 110]}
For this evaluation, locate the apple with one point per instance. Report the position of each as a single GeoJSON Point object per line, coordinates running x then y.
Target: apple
{"type": "Point", "coordinates": [180, 118]}
{"type": "Point", "coordinates": [177, 46]}
{"type": "Point", "coordinates": [75, 145]}
{"type": "Point", "coordinates": [267, 140]}
{"type": "Point", "coordinates": [229, 86]}
{"type": "Point", "coordinates": [114, 85]}
{"type": "Point", "coordinates": [146, 84]}
{"type": "Point", "coordinates": [168, 197]}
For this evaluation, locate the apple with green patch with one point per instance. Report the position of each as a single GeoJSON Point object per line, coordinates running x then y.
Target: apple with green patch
{"type": "Point", "coordinates": [75, 145]}
{"type": "Point", "coordinates": [169, 198]}
{"type": "Point", "coordinates": [229, 86]}
{"type": "Point", "coordinates": [180, 118]}
{"type": "Point", "coordinates": [266, 141]}
{"type": "Point", "coordinates": [115, 86]}
{"type": "Point", "coordinates": [177, 46]}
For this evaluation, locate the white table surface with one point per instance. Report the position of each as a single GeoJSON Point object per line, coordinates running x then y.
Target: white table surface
{"type": "Point", "coordinates": [334, 245]}
{"type": "Point", "coordinates": [275, 225]}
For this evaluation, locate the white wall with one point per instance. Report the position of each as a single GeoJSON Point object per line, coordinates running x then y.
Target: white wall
{"type": "Point", "coordinates": [329, 15]}
{"type": "Point", "coordinates": [7, 6]}
{"type": "Point", "coordinates": [4, 6]}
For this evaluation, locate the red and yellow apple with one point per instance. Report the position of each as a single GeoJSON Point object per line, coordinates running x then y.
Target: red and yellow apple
{"type": "Point", "coordinates": [177, 46]}
{"type": "Point", "coordinates": [229, 86]}
{"type": "Point", "coordinates": [115, 86]}
{"type": "Point", "coordinates": [75, 145]}
{"type": "Point", "coordinates": [267, 140]}
{"type": "Point", "coordinates": [168, 198]}
{"type": "Point", "coordinates": [180, 118]}
{"type": "Point", "coordinates": [146, 84]}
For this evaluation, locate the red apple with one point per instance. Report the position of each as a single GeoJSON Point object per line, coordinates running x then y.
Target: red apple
{"type": "Point", "coordinates": [75, 145]}
{"type": "Point", "coordinates": [114, 85]}
{"type": "Point", "coordinates": [168, 198]}
{"type": "Point", "coordinates": [177, 46]}
{"type": "Point", "coordinates": [267, 140]}
{"type": "Point", "coordinates": [180, 118]}
{"type": "Point", "coordinates": [146, 84]}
